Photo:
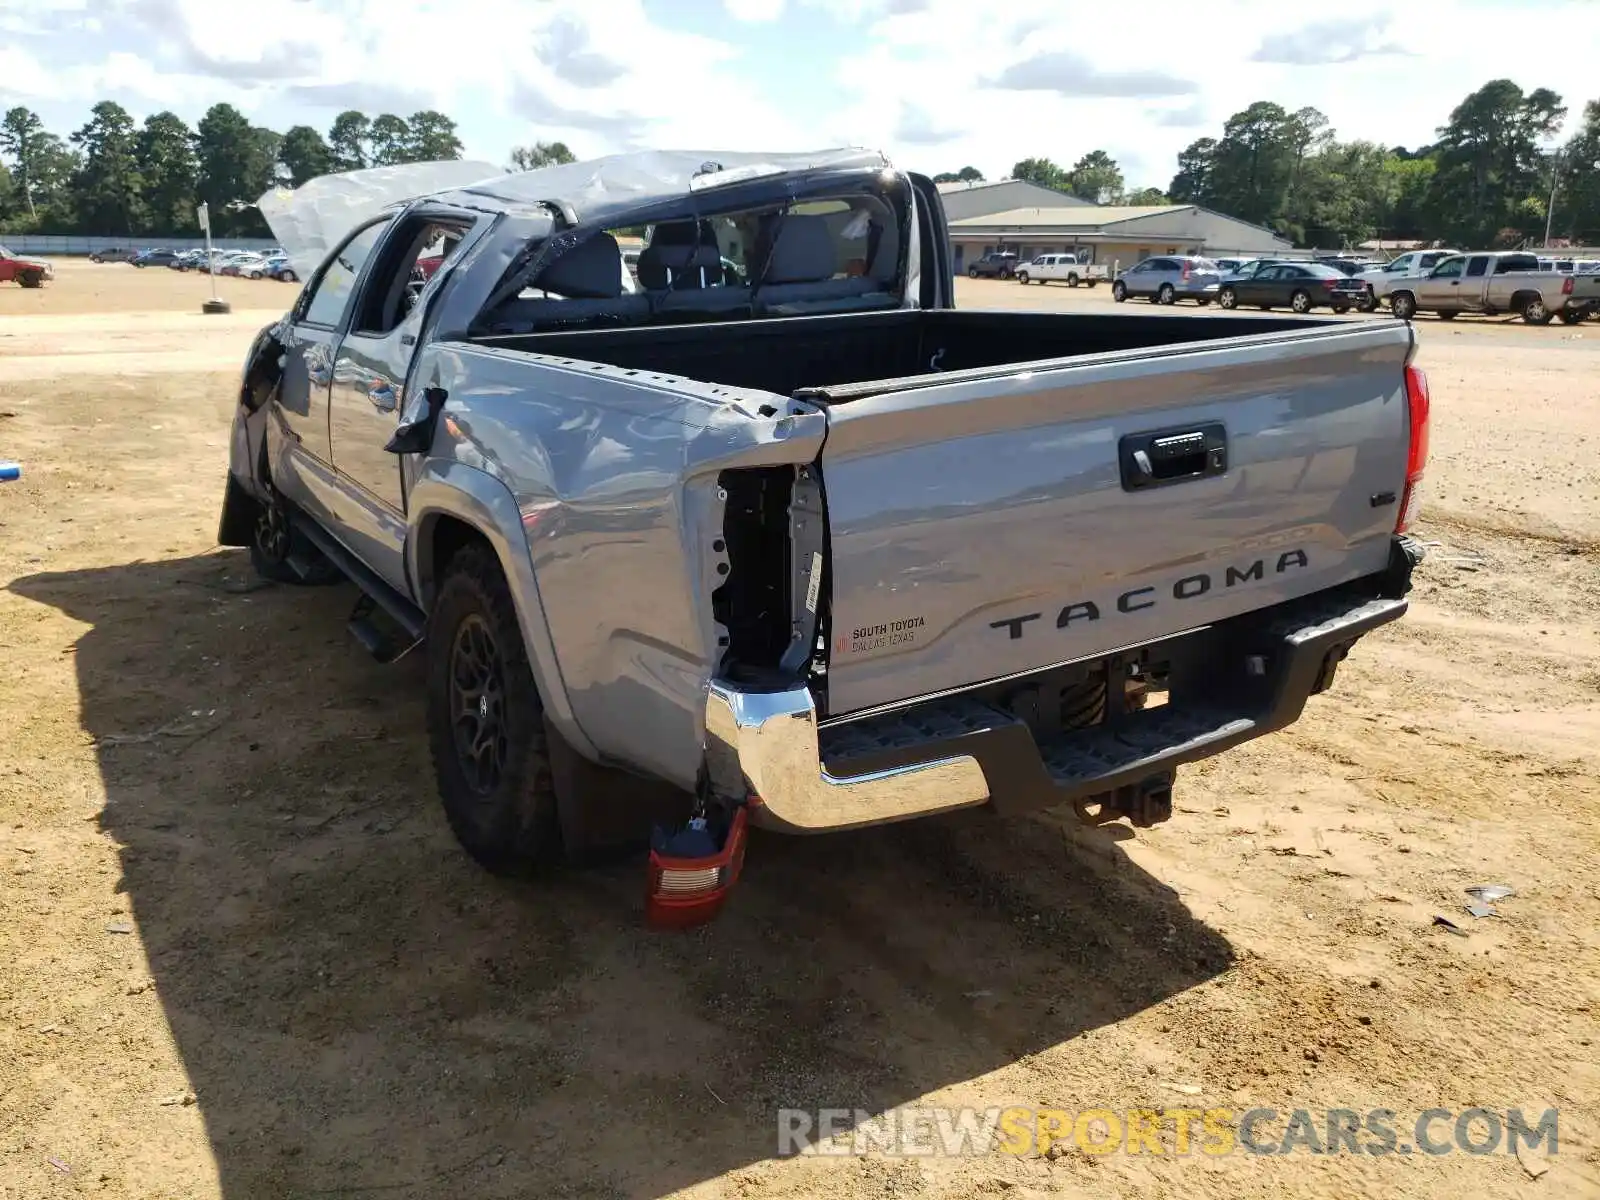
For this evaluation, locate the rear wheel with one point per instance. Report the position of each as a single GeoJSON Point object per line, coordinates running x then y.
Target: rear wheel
{"type": "Point", "coordinates": [275, 541]}
{"type": "Point", "coordinates": [1167, 295]}
{"type": "Point", "coordinates": [1447, 314]}
{"type": "Point", "coordinates": [1119, 291]}
{"type": "Point", "coordinates": [1573, 316]}
{"type": "Point", "coordinates": [1228, 298]}
{"type": "Point", "coordinates": [486, 727]}
{"type": "Point", "coordinates": [1300, 301]}
{"type": "Point", "coordinates": [1403, 305]}
{"type": "Point", "coordinates": [1535, 311]}
{"type": "Point", "coordinates": [1341, 309]}
{"type": "Point", "coordinates": [1093, 282]}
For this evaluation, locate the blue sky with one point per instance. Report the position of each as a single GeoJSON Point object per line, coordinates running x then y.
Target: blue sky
{"type": "Point", "coordinates": [938, 84]}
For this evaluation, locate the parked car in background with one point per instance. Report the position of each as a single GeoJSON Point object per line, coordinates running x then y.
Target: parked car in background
{"type": "Point", "coordinates": [189, 260]}
{"type": "Point", "coordinates": [1168, 278]}
{"type": "Point", "coordinates": [113, 255]}
{"type": "Point", "coordinates": [277, 267]}
{"type": "Point", "coordinates": [245, 264]}
{"type": "Point", "coordinates": [1245, 269]}
{"type": "Point", "coordinates": [155, 258]}
{"type": "Point", "coordinates": [1380, 281]}
{"type": "Point", "coordinates": [1498, 282]}
{"type": "Point", "coordinates": [29, 272]}
{"type": "Point", "coordinates": [1070, 269]}
{"type": "Point", "coordinates": [1298, 286]}
{"type": "Point", "coordinates": [994, 265]}
{"type": "Point", "coordinates": [1350, 267]}
{"type": "Point", "coordinates": [1229, 266]}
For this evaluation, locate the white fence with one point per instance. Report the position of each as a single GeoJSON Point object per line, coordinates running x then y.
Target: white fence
{"type": "Point", "coordinates": [70, 244]}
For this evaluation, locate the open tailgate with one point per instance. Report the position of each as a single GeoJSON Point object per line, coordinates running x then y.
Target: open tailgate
{"type": "Point", "coordinates": [992, 522]}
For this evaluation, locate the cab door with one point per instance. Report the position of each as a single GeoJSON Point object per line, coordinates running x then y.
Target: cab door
{"type": "Point", "coordinates": [367, 392]}
{"type": "Point", "coordinates": [1474, 290]}
{"type": "Point", "coordinates": [1441, 287]}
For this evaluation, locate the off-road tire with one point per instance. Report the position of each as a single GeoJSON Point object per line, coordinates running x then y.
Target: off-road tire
{"type": "Point", "coordinates": [275, 540]}
{"type": "Point", "coordinates": [503, 810]}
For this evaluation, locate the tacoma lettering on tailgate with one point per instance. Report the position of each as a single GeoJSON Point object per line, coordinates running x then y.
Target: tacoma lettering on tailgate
{"type": "Point", "coordinates": [1137, 599]}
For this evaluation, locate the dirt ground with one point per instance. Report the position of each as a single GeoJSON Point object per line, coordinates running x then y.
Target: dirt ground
{"type": "Point", "coordinates": [241, 956]}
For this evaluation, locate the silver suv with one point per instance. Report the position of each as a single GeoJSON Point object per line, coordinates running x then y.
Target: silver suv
{"type": "Point", "coordinates": [1168, 278]}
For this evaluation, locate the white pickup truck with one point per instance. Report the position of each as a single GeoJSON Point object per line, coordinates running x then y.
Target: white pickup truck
{"type": "Point", "coordinates": [1382, 280]}
{"type": "Point", "coordinates": [1070, 269]}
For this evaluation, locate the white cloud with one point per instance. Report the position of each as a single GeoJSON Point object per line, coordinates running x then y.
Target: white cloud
{"type": "Point", "coordinates": [937, 83]}
{"type": "Point", "coordinates": [753, 11]}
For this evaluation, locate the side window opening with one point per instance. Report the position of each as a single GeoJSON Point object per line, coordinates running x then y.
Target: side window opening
{"type": "Point", "coordinates": [409, 261]}
{"type": "Point", "coordinates": [329, 294]}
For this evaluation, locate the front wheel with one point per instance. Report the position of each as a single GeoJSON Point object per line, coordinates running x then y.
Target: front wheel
{"type": "Point", "coordinates": [31, 279]}
{"type": "Point", "coordinates": [1119, 291]}
{"type": "Point", "coordinates": [972, 272]}
{"type": "Point", "coordinates": [1300, 301]}
{"type": "Point", "coordinates": [289, 277]}
{"type": "Point", "coordinates": [1228, 298]}
{"type": "Point", "coordinates": [1022, 278]}
{"type": "Point", "coordinates": [1536, 312]}
{"type": "Point", "coordinates": [1403, 305]}
{"type": "Point", "coordinates": [1167, 294]}
{"type": "Point", "coordinates": [486, 721]}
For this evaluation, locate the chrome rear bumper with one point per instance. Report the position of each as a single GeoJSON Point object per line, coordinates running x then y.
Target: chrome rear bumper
{"type": "Point", "coordinates": [766, 742]}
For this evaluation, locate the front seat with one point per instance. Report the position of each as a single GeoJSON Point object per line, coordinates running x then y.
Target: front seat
{"type": "Point", "coordinates": [681, 256]}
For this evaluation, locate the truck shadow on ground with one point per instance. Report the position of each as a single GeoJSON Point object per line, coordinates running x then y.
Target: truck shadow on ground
{"type": "Point", "coordinates": [362, 1010]}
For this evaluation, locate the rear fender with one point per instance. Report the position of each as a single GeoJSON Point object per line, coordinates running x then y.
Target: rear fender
{"type": "Point", "coordinates": [446, 489]}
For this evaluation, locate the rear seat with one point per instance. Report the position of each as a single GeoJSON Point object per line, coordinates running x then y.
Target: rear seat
{"type": "Point", "coordinates": [802, 264]}
{"type": "Point", "coordinates": [585, 282]}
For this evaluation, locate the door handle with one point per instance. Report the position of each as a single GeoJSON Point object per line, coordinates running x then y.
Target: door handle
{"type": "Point", "coordinates": [1164, 457]}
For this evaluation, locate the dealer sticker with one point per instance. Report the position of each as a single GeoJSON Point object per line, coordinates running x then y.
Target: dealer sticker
{"type": "Point", "coordinates": [903, 632]}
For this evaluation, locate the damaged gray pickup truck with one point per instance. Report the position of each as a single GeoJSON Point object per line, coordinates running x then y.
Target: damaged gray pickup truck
{"type": "Point", "coordinates": [764, 531]}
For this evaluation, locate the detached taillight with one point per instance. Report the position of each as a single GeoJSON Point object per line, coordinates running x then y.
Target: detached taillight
{"type": "Point", "coordinates": [1417, 410]}
{"type": "Point", "coordinates": [690, 877]}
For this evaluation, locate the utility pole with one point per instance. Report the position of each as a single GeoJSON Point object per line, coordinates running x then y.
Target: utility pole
{"type": "Point", "coordinates": [1550, 208]}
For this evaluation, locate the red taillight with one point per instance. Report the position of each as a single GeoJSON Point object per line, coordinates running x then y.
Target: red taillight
{"type": "Point", "coordinates": [1185, 270]}
{"type": "Point", "coordinates": [1566, 286]}
{"type": "Point", "coordinates": [1330, 284]}
{"type": "Point", "coordinates": [685, 892]}
{"type": "Point", "coordinates": [1417, 408]}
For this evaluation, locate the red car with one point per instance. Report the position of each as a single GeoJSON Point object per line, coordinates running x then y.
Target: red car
{"type": "Point", "coordinates": [29, 272]}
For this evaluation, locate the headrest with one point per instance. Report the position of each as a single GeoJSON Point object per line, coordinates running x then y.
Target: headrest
{"type": "Point", "coordinates": [804, 252]}
{"type": "Point", "coordinates": [679, 264]}
{"type": "Point", "coordinates": [592, 270]}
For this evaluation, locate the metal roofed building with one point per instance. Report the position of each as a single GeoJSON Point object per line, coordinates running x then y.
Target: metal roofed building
{"type": "Point", "coordinates": [1116, 236]}
{"type": "Point", "coordinates": [983, 197]}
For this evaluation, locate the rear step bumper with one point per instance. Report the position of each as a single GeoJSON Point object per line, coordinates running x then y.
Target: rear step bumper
{"type": "Point", "coordinates": [1231, 682]}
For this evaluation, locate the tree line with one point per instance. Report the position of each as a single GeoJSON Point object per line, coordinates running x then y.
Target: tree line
{"type": "Point", "coordinates": [1485, 182]}
{"type": "Point", "coordinates": [116, 177]}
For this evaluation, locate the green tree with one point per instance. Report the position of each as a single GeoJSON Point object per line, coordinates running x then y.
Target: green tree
{"type": "Point", "coordinates": [1042, 172]}
{"type": "Point", "coordinates": [1095, 177]}
{"type": "Point", "coordinates": [304, 155]}
{"type": "Point", "coordinates": [1192, 183]}
{"type": "Point", "coordinates": [391, 140]}
{"type": "Point", "coordinates": [1578, 195]}
{"type": "Point", "coordinates": [350, 140]}
{"type": "Point", "coordinates": [1146, 197]}
{"type": "Point", "coordinates": [21, 132]}
{"type": "Point", "coordinates": [237, 162]}
{"type": "Point", "coordinates": [540, 154]}
{"type": "Point", "coordinates": [164, 150]}
{"type": "Point", "coordinates": [108, 185]}
{"type": "Point", "coordinates": [965, 175]}
{"type": "Point", "coordinates": [433, 137]}
{"type": "Point", "coordinates": [1490, 163]}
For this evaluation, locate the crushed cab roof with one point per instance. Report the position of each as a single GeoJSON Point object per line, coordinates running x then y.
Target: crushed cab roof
{"type": "Point", "coordinates": [310, 220]}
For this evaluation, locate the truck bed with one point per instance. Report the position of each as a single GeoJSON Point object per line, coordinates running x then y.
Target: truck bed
{"type": "Point", "coordinates": [986, 514]}
{"type": "Point", "coordinates": [855, 354]}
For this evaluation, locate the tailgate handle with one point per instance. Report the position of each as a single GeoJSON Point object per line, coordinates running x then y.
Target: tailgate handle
{"type": "Point", "coordinates": [1164, 457]}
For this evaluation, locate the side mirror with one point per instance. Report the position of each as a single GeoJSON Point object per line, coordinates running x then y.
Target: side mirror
{"type": "Point", "coordinates": [416, 437]}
